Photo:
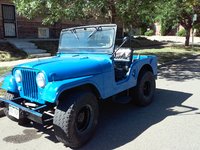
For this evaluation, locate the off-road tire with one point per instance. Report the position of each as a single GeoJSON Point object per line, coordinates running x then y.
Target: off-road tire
{"type": "Point", "coordinates": [10, 96]}
{"type": "Point", "coordinates": [66, 118]}
{"type": "Point", "coordinates": [144, 91]}
{"type": "Point", "coordinates": [2, 114]}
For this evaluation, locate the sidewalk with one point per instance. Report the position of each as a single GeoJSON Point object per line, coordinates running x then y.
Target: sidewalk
{"type": "Point", "coordinates": [14, 63]}
{"type": "Point", "coordinates": [174, 39]}
{"type": "Point", "coordinates": [17, 62]}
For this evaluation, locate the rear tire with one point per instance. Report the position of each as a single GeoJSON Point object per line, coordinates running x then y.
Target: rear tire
{"type": "Point", "coordinates": [2, 114]}
{"type": "Point", "coordinates": [144, 91]}
{"type": "Point", "coordinates": [76, 118]}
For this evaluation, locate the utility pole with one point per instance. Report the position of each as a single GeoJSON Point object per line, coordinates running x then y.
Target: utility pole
{"type": "Point", "coordinates": [193, 20]}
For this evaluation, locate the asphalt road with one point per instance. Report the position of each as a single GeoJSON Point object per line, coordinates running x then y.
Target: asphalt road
{"type": "Point", "coordinates": [172, 121]}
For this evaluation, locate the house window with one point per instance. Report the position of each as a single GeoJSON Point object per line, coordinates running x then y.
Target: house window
{"type": "Point", "coordinates": [43, 32]}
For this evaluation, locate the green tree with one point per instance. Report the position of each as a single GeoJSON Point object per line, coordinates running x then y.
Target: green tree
{"type": "Point", "coordinates": [127, 12]}
{"type": "Point", "coordinates": [50, 11]}
{"type": "Point", "coordinates": [179, 12]}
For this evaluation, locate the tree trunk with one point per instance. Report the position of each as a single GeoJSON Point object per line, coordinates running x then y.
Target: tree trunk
{"type": "Point", "coordinates": [113, 11]}
{"type": "Point", "coordinates": [187, 40]}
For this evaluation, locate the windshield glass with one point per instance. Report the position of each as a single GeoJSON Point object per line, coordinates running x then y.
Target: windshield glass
{"type": "Point", "coordinates": [95, 39]}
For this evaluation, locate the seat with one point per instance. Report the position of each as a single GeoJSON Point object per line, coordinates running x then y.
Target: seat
{"type": "Point", "coordinates": [123, 53]}
{"type": "Point", "coordinates": [122, 60]}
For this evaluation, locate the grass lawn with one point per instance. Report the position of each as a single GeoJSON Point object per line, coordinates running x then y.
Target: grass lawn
{"type": "Point", "coordinates": [9, 53]}
{"type": "Point", "coordinates": [2, 92]}
{"type": "Point", "coordinates": [5, 70]}
{"type": "Point", "coordinates": [52, 46]}
{"type": "Point", "coordinates": [167, 54]}
{"type": "Point", "coordinates": [164, 54]}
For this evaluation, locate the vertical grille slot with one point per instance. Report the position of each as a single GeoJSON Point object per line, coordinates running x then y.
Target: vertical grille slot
{"type": "Point", "coordinates": [29, 84]}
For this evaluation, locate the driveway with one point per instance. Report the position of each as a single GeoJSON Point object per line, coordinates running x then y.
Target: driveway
{"type": "Point", "coordinates": [172, 121]}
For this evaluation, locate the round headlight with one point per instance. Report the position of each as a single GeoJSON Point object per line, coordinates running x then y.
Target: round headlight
{"type": "Point", "coordinates": [18, 76]}
{"type": "Point", "coordinates": [40, 79]}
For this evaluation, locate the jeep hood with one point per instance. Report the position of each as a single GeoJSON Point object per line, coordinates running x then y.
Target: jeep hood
{"type": "Point", "coordinates": [61, 68]}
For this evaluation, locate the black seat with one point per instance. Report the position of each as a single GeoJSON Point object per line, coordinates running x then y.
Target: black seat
{"type": "Point", "coordinates": [122, 60]}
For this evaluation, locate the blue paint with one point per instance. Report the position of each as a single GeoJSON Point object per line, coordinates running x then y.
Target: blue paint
{"type": "Point", "coordinates": [70, 70]}
{"type": "Point", "coordinates": [10, 84]}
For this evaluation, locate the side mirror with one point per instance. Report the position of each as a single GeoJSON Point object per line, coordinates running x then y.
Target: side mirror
{"type": "Point", "coordinates": [126, 38]}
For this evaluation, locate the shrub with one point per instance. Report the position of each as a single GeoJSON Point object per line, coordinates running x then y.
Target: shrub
{"type": "Point", "coordinates": [143, 30]}
{"type": "Point", "coordinates": [197, 33]}
{"type": "Point", "coordinates": [181, 32]}
{"type": "Point", "coordinates": [149, 33]}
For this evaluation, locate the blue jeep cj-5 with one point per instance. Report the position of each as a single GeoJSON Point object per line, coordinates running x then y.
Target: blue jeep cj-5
{"type": "Point", "coordinates": [66, 89]}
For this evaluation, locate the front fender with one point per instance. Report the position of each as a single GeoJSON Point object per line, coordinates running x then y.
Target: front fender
{"type": "Point", "coordinates": [9, 84]}
{"type": "Point", "coordinates": [54, 89]}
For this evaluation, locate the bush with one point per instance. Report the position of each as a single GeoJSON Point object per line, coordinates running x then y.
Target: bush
{"type": "Point", "coordinates": [143, 30]}
{"type": "Point", "coordinates": [181, 32]}
{"type": "Point", "coordinates": [197, 33]}
{"type": "Point", "coordinates": [149, 33]}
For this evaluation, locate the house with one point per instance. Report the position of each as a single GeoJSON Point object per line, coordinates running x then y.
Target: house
{"type": "Point", "coordinates": [14, 26]}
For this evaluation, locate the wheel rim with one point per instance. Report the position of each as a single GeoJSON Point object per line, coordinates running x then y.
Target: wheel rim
{"type": "Point", "coordinates": [147, 88]}
{"type": "Point", "coordinates": [83, 118]}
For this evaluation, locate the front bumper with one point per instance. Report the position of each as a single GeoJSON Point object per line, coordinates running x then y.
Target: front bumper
{"type": "Point", "coordinates": [36, 114]}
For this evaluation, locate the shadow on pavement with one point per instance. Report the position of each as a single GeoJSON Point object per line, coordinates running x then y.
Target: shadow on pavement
{"type": "Point", "coordinates": [120, 124]}
{"type": "Point", "coordinates": [47, 130]}
{"type": "Point", "coordinates": [185, 70]}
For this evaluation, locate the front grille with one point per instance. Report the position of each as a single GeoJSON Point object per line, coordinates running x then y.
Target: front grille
{"type": "Point", "coordinates": [29, 84]}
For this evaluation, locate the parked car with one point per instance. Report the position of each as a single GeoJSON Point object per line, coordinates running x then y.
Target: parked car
{"type": "Point", "coordinates": [66, 88]}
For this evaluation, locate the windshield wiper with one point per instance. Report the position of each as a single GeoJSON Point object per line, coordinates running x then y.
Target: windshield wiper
{"type": "Point", "coordinates": [96, 29]}
{"type": "Point", "coordinates": [74, 33]}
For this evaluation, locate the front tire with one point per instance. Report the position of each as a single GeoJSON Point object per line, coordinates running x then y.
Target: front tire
{"type": "Point", "coordinates": [144, 91]}
{"type": "Point", "coordinates": [76, 118]}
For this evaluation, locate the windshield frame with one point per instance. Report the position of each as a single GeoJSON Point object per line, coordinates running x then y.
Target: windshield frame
{"type": "Point", "coordinates": [84, 50]}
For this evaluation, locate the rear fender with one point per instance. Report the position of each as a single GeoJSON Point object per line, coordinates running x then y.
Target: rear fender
{"type": "Point", "coordinates": [145, 61]}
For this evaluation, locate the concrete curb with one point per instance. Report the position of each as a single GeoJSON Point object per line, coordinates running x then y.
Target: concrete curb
{"type": "Point", "coordinates": [177, 61]}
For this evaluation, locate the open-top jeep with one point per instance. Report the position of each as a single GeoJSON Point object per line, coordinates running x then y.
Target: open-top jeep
{"type": "Point", "coordinates": [65, 89]}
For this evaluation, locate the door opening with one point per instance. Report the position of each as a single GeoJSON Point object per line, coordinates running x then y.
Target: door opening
{"type": "Point", "coordinates": [9, 20]}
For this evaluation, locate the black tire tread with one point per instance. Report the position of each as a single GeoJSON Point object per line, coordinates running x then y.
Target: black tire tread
{"type": "Point", "coordinates": [136, 93]}
{"type": "Point", "coordinates": [63, 118]}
